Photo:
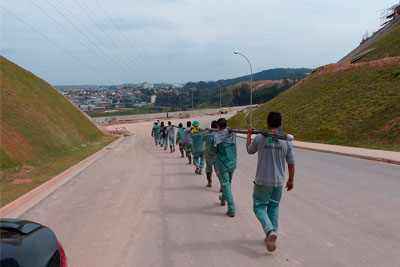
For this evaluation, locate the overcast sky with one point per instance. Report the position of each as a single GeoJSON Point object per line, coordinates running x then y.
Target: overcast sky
{"type": "Point", "coordinates": [121, 41]}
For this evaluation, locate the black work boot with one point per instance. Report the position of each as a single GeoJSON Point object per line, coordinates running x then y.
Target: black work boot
{"type": "Point", "coordinates": [181, 149]}
{"type": "Point", "coordinates": [209, 175]}
{"type": "Point", "coordinates": [190, 159]}
{"type": "Point", "coordinates": [220, 184]}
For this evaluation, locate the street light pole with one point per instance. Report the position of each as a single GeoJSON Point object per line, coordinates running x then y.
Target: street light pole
{"type": "Point", "coordinates": [251, 85]}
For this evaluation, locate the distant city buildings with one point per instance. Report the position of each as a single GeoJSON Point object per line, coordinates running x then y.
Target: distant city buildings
{"type": "Point", "coordinates": [106, 99]}
{"type": "Point", "coordinates": [153, 99]}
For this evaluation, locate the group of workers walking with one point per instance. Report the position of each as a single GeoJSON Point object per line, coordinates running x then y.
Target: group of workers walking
{"type": "Point", "coordinates": [216, 148]}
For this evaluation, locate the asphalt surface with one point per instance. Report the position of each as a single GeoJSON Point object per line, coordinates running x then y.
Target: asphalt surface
{"type": "Point", "coordinates": [139, 205]}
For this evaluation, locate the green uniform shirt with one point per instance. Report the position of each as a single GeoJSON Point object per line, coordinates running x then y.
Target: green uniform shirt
{"type": "Point", "coordinates": [179, 136]}
{"type": "Point", "coordinates": [156, 129]}
{"type": "Point", "coordinates": [198, 143]}
{"type": "Point", "coordinates": [226, 153]}
{"type": "Point", "coordinates": [208, 138]}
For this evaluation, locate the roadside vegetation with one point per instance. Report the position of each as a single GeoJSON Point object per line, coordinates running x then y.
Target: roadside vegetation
{"type": "Point", "coordinates": [42, 133]}
{"type": "Point", "coordinates": [263, 91]}
{"type": "Point", "coordinates": [354, 105]}
{"type": "Point", "coordinates": [386, 47]}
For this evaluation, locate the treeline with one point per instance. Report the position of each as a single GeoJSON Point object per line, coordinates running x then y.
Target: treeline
{"type": "Point", "coordinates": [241, 95]}
{"type": "Point", "coordinates": [232, 96]}
{"type": "Point", "coordinates": [206, 94]}
{"type": "Point", "coordinates": [182, 99]}
{"type": "Point", "coordinates": [272, 74]}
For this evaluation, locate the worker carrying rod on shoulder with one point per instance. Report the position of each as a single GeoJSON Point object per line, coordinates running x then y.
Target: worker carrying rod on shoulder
{"type": "Point", "coordinates": [180, 140]}
{"type": "Point", "coordinates": [171, 136]}
{"type": "Point", "coordinates": [154, 132]}
{"type": "Point", "coordinates": [225, 148]}
{"type": "Point", "coordinates": [211, 158]}
{"type": "Point", "coordinates": [198, 147]}
{"type": "Point", "coordinates": [268, 183]}
{"type": "Point", "coordinates": [164, 136]}
{"type": "Point", "coordinates": [187, 137]}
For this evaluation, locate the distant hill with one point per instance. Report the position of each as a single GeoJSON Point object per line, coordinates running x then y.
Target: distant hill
{"type": "Point", "coordinates": [206, 94]}
{"type": "Point", "coordinates": [263, 91]}
{"type": "Point", "coordinates": [271, 74]}
{"type": "Point", "coordinates": [346, 104]}
{"type": "Point", "coordinates": [42, 133]}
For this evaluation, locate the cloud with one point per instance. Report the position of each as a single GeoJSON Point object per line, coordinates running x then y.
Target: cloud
{"type": "Point", "coordinates": [183, 40]}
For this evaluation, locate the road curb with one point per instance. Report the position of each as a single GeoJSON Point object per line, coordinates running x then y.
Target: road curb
{"type": "Point", "coordinates": [381, 159]}
{"type": "Point", "coordinates": [304, 145]}
{"type": "Point", "coordinates": [31, 198]}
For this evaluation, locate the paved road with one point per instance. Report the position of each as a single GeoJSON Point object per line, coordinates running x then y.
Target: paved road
{"type": "Point", "coordinates": [141, 206]}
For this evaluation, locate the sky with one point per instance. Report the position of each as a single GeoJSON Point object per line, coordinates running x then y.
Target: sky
{"type": "Point", "coordinates": [103, 42]}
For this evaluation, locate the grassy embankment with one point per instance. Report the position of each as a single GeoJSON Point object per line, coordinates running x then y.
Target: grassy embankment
{"type": "Point", "coordinates": [354, 105]}
{"type": "Point", "coordinates": [386, 47]}
{"type": "Point", "coordinates": [42, 133]}
{"type": "Point", "coordinates": [263, 91]}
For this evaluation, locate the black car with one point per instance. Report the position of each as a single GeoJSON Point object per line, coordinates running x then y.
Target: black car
{"type": "Point", "coordinates": [26, 243]}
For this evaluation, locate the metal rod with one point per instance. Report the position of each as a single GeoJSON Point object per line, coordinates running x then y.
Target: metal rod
{"type": "Point", "coordinates": [267, 133]}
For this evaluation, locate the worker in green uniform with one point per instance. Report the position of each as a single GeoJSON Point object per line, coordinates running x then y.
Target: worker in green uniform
{"type": "Point", "coordinates": [164, 136]}
{"type": "Point", "coordinates": [154, 133]}
{"type": "Point", "coordinates": [211, 158]}
{"type": "Point", "coordinates": [225, 148]}
{"type": "Point", "coordinates": [270, 176]}
{"type": "Point", "coordinates": [187, 137]}
{"type": "Point", "coordinates": [198, 147]}
{"type": "Point", "coordinates": [179, 139]}
{"type": "Point", "coordinates": [171, 136]}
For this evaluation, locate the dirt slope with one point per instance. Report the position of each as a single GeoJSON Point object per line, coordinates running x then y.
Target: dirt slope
{"type": "Point", "coordinates": [42, 133]}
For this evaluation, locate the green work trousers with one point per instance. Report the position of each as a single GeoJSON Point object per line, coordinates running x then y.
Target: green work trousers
{"type": "Point", "coordinates": [188, 149]}
{"type": "Point", "coordinates": [156, 139]}
{"type": "Point", "coordinates": [165, 141]}
{"type": "Point", "coordinates": [172, 142]}
{"type": "Point", "coordinates": [266, 206]}
{"type": "Point", "coordinates": [210, 162]}
{"type": "Point", "coordinates": [198, 159]}
{"type": "Point", "coordinates": [226, 181]}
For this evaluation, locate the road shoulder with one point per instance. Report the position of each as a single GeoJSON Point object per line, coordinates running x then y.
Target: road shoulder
{"type": "Point", "coordinates": [356, 152]}
{"type": "Point", "coordinates": [28, 200]}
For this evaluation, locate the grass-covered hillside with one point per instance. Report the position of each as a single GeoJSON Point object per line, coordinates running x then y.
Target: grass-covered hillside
{"type": "Point", "coordinates": [42, 133]}
{"type": "Point", "coordinates": [386, 47]}
{"type": "Point", "coordinates": [347, 104]}
{"type": "Point", "coordinates": [263, 91]}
